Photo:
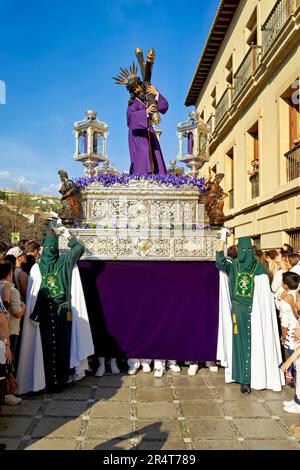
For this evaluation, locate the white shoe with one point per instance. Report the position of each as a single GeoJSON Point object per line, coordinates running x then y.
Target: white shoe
{"type": "Point", "coordinates": [175, 368]}
{"type": "Point", "coordinates": [159, 372]}
{"type": "Point", "coordinates": [212, 366]}
{"type": "Point", "coordinates": [292, 409]}
{"type": "Point", "coordinates": [100, 371]}
{"type": "Point", "coordinates": [78, 375]}
{"type": "Point", "coordinates": [289, 403]}
{"type": "Point", "coordinates": [192, 370]}
{"type": "Point", "coordinates": [132, 370]}
{"type": "Point", "coordinates": [114, 367]}
{"type": "Point", "coordinates": [12, 400]}
{"type": "Point", "coordinates": [146, 368]}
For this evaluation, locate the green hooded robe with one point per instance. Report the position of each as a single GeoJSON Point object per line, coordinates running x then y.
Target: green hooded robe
{"type": "Point", "coordinates": [53, 308]}
{"type": "Point", "coordinates": [241, 272]}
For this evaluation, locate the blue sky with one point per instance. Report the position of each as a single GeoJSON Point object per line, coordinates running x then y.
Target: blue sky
{"type": "Point", "coordinates": [57, 60]}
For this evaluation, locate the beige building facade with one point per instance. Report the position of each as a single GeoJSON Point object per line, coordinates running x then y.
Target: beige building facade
{"type": "Point", "coordinates": [246, 87]}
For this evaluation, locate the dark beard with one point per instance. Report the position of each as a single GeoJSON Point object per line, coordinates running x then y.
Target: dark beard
{"type": "Point", "coordinates": [141, 96]}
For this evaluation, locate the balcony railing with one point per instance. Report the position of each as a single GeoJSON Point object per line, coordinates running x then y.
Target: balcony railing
{"type": "Point", "coordinates": [276, 20]}
{"type": "Point", "coordinates": [293, 163]}
{"type": "Point", "coordinates": [245, 70]}
{"type": "Point", "coordinates": [231, 198]}
{"type": "Point", "coordinates": [254, 180]}
{"type": "Point", "coordinates": [223, 105]}
{"type": "Point", "coordinates": [294, 240]}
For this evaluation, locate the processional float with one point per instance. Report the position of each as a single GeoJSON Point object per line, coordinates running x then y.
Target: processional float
{"type": "Point", "coordinates": [142, 217]}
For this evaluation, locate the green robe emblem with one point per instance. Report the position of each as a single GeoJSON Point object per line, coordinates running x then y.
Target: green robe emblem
{"type": "Point", "coordinates": [53, 284]}
{"type": "Point", "coordinates": [244, 282]}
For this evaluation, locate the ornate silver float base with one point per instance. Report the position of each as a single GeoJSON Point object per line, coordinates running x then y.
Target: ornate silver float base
{"type": "Point", "coordinates": [145, 246]}
{"type": "Point", "coordinates": [144, 220]}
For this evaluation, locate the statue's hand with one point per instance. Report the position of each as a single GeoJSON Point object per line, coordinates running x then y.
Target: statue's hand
{"type": "Point", "coordinates": [151, 109]}
{"type": "Point", "coordinates": [151, 90]}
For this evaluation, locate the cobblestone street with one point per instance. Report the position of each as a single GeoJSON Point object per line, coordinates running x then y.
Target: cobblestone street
{"type": "Point", "coordinates": [143, 412]}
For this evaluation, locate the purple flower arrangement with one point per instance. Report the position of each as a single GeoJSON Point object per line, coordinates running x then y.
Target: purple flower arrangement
{"type": "Point", "coordinates": [109, 179]}
{"type": "Point", "coordinates": [200, 227]}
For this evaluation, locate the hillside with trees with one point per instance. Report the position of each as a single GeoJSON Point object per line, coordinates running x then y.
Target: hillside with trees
{"type": "Point", "coordinates": [25, 213]}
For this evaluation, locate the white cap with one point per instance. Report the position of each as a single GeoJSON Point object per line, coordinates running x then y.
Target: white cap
{"type": "Point", "coordinates": [16, 251]}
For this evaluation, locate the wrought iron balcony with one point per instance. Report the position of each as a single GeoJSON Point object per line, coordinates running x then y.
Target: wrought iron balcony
{"type": "Point", "coordinates": [282, 10]}
{"type": "Point", "coordinates": [293, 163]}
{"type": "Point", "coordinates": [254, 180]}
{"type": "Point", "coordinates": [245, 70]}
{"type": "Point", "coordinates": [223, 105]}
{"type": "Point", "coordinates": [294, 240]}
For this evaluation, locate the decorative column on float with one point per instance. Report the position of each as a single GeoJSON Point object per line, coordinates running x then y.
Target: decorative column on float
{"type": "Point", "coordinates": [193, 152]}
{"type": "Point", "coordinates": [90, 142]}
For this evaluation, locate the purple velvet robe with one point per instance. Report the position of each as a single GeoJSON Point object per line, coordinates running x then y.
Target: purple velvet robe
{"type": "Point", "coordinates": [145, 152]}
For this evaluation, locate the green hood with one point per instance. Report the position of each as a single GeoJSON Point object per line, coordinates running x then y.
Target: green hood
{"type": "Point", "coordinates": [50, 254]}
{"type": "Point", "coordinates": [245, 255]}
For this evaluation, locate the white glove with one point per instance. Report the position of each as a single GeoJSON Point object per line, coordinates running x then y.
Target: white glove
{"type": "Point", "coordinates": [55, 223]}
{"type": "Point", "coordinates": [225, 232]}
{"type": "Point", "coordinates": [62, 231]}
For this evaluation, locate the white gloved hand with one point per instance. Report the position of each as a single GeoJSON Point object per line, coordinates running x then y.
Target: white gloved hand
{"type": "Point", "coordinates": [225, 232]}
{"type": "Point", "coordinates": [62, 231]}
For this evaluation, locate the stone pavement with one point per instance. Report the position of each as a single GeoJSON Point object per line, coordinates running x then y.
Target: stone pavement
{"type": "Point", "coordinates": [175, 412]}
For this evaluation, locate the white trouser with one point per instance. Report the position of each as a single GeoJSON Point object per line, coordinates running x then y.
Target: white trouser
{"type": "Point", "coordinates": [138, 362]}
{"type": "Point", "coordinates": [2, 356]}
{"type": "Point", "coordinates": [2, 352]}
{"type": "Point", "coordinates": [161, 363]}
{"type": "Point", "coordinates": [297, 385]}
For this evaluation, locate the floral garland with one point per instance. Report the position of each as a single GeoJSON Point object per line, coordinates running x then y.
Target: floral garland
{"type": "Point", "coordinates": [109, 179]}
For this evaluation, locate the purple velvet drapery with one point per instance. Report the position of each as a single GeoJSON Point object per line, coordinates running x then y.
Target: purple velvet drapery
{"type": "Point", "coordinates": [155, 310]}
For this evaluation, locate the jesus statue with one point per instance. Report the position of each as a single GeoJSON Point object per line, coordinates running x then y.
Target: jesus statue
{"type": "Point", "coordinates": [145, 152]}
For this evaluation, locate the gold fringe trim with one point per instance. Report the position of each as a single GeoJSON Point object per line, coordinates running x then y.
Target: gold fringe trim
{"type": "Point", "coordinates": [235, 328]}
